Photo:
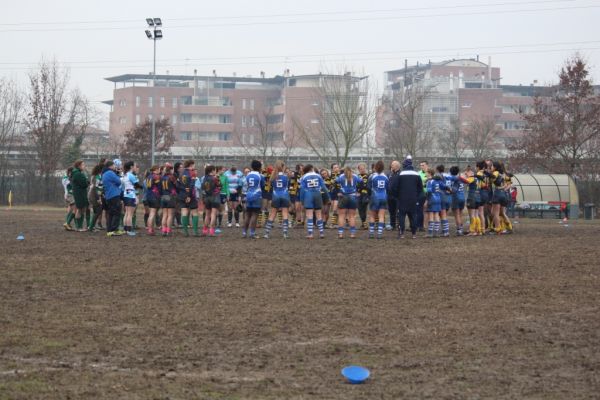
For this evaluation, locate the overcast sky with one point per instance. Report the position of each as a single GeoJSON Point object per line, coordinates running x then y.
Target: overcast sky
{"type": "Point", "coordinates": [528, 40]}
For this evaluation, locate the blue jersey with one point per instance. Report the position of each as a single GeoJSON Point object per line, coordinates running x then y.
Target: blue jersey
{"type": "Point", "coordinates": [280, 185]}
{"type": "Point", "coordinates": [378, 184]}
{"type": "Point", "coordinates": [312, 182]}
{"type": "Point", "coordinates": [348, 186]}
{"type": "Point", "coordinates": [435, 190]}
{"type": "Point", "coordinates": [234, 180]}
{"type": "Point", "coordinates": [458, 187]}
{"type": "Point", "coordinates": [255, 184]}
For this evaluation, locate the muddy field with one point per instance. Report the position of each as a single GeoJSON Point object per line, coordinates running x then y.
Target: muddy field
{"type": "Point", "coordinates": [86, 316]}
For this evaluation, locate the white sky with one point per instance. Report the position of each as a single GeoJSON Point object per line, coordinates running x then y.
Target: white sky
{"type": "Point", "coordinates": [528, 39]}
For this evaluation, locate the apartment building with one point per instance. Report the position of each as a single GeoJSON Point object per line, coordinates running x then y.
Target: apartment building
{"type": "Point", "coordinates": [220, 112]}
{"type": "Point", "coordinates": [464, 90]}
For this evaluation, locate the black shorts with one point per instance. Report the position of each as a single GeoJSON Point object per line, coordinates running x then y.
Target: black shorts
{"type": "Point", "coordinates": [152, 203]}
{"type": "Point", "coordinates": [500, 197]}
{"type": "Point", "coordinates": [130, 202]}
{"type": "Point", "coordinates": [326, 199]}
{"type": "Point", "coordinates": [211, 202]}
{"type": "Point", "coordinates": [267, 195]}
{"type": "Point", "coordinates": [223, 198]}
{"type": "Point", "coordinates": [167, 201]}
{"type": "Point", "coordinates": [192, 205]}
{"type": "Point", "coordinates": [234, 197]}
{"type": "Point", "coordinates": [472, 204]}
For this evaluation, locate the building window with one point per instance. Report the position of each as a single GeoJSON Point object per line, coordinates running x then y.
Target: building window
{"type": "Point", "coordinates": [138, 119]}
{"type": "Point", "coordinates": [274, 136]}
{"type": "Point", "coordinates": [514, 125]}
{"type": "Point", "coordinates": [186, 136]}
{"type": "Point", "coordinates": [252, 104]}
{"type": "Point", "coordinates": [150, 101]}
{"type": "Point", "coordinates": [252, 121]}
{"type": "Point", "coordinates": [314, 121]}
{"type": "Point", "coordinates": [150, 117]}
{"type": "Point", "coordinates": [243, 104]}
{"type": "Point", "coordinates": [275, 119]}
{"type": "Point", "coordinates": [224, 136]}
{"type": "Point", "coordinates": [292, 82]}
{"type": "Point", "coordinates": [315, 103]}
{"type": "Point", "coordinates": [244, 123]}
{"type": "Point", "coordinates": [123, 103]}
{"type": "Point", "coordinates": [174, 120]}
{"type": "Point", "coordinates": [138, 100]}
{"type": "Point", "coordinates": [439, 109]}
{"type": "Point", "coordinates": [162, 101]}
{"type": "Point", "coordinates": [467, 104]}
{"type": "Point", "coordinates": [123, 120]}
{"type": "Point", "coordinates": [186, 100]}
{"type": "Point", "coordinates": [174, 102]}
{"type": "Point", "coordinates": [162, 116]}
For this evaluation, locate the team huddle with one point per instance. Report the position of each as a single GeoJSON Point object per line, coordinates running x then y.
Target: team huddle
{"type": "Point", "coordinates": [176, 195]}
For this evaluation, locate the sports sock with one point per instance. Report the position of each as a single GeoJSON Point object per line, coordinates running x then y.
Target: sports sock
{"type": "Point", "coordinates": [252, 232]}
{"type": "Point", "coordinates": [70, 218]}
{"type": "Point", "coordinates": [195, 223]}
{"type": "Point", "coordinates": [430, 228]}
{"type": "Point", "coordinates": [220, 219]}
{"type": "Point", "coordinates": [134, 220]}
{"type": "Point", "coordinates": [445, 227]}
{"type": "Point", "coordinates": [371, 228]}
{"type": "Point", "coordinates": [185, 219]}
{"type": "Point", "coordinates": [320, 226]}
{"type": "Point", "coordinates": [229, 216]}
{"type": "Point", "coordinates": [286, 224]}
{"type": "Point", "coordinates": [236, 215]}
{"type": "Point", "coordinates": [340, 229]}
{"type": "Point", "coordinates": [309, 226]}
{"type": "Point", "coordinates": [436, 227]}
{"type": "Point", "coordinates": [353, 230]}
{"type": "Point", "coordinates": [507, 223]}
{"type": "Point", "coordinates": [268, 227]}
{"type": "Point", "coordinates": [380, 228]}
{"type": "Point", "coordinates": [87, 217]}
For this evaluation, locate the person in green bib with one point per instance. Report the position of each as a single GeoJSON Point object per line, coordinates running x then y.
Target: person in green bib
{"type": "Point", "coordinates": [80, 183]}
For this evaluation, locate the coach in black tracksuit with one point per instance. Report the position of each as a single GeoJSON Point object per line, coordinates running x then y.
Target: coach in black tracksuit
{"type": "Point", "coordinates": [406, 188]}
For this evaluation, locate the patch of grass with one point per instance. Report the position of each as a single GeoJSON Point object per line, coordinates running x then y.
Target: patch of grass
{"type": "Point", "coordinates": [25, 386]}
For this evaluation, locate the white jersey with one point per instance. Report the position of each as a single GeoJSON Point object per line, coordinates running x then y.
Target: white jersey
{"type": "Point", "coordinates": [129, 181]}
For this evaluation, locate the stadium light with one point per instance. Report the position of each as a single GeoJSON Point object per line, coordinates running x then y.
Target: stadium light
{"type": "Point", "coordinates": [154, 35]}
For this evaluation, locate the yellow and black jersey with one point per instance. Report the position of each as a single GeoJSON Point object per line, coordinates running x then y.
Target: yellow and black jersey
{"type": "Point", "coordinates": [267, 177]}
{"type": "Point", "coordinates": [363, 185]}
{"type": "Point", "coordinates": [294, 184]}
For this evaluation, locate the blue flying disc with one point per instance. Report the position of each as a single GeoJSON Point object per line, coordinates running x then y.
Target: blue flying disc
{"type": "Point", "coordinates": [355, 374]}
{"type": "Point", "coordinates": [21, 237]}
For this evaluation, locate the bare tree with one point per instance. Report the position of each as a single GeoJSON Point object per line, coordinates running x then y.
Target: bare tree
{"type": "Point", "coordinates": [11, 103]}
{"type": "Point", "coordinates": [344, 114]}
{"type": "Point", "coordinates": [481, 136]}
{"type": "Point", "coordinates": [87, 116]}
{"type": "Point", "coordinates": [53, 118]}
{"type": "Point", "coordinates": [201, 150]}
{"type": "Point", "coordinates": [407, 128]}
{"type": "Point", "coordinates": [562, 134]}
{"type": "Point", "coordinates": [257, 136]}
{"type": "Point", "coordinates": [138, 141]}
{"type": "Point", "coordinates": [451, 139]}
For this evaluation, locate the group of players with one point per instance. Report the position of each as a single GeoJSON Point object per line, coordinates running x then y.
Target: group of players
{"type": "Point", "coordinates": [176, 195]}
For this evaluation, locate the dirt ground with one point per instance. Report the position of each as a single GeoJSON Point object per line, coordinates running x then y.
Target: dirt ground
{"type": "Point", "coordinates": [86, 316]}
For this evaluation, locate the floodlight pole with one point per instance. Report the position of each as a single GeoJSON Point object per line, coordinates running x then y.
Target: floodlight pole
{"type": "Point", "coordinates": [153, 102]}
{"type": "Point", "coordinates": [153, 23]}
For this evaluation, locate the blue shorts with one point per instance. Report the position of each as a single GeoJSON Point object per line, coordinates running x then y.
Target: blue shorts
{"type": "Point", "coordinates": [446, 201]}
{"type": "Point", "coordinates": [129, 202]}
{"type": "Point", "coordinates": [378, 204]}
{"type": "Point", "coordinates": [348, 202]}
{"type": "Point", "coordinates": [312, 200]}
{"type": "Point", "coordinates": [253, 202]}
{"type": "Point", "coordinates": [293, 198]}
{"type": "Point", "coordinates": [434, 206]}
{"type": "Point", "coordinates": [280, 201]}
